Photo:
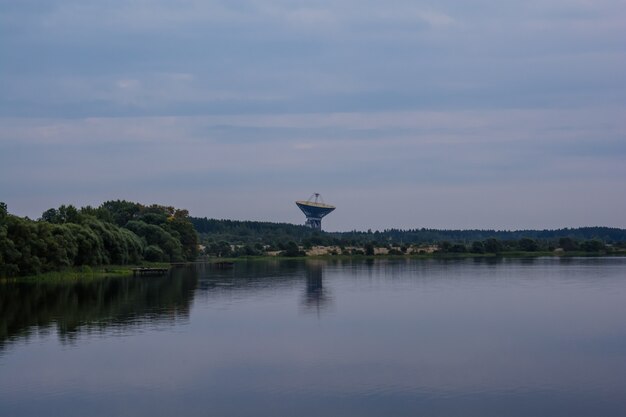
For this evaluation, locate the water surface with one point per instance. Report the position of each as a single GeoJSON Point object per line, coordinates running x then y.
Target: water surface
{"type": "Point", "coordinates": [365, 338]}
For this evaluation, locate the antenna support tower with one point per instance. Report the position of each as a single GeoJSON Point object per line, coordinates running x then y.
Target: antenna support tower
{"type": "Point", "coordinates": [314, 209]}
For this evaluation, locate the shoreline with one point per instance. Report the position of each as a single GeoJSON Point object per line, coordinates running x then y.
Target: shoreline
{"type": "Point", "coordinates": [516, 254]}
{"type": "Point", "coordinates": [86, 273]}
{"type": "Point", "coordinates": [82, 273]}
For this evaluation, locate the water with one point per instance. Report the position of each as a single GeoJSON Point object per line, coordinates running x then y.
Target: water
{"type": "Point", "coordinates": [542, 337]}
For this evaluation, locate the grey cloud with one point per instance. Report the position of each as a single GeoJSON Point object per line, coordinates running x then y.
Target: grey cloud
{"type": "Point", "coordinates": [250, 58]}
{"type": "Point", "coordinates": [446, 111]}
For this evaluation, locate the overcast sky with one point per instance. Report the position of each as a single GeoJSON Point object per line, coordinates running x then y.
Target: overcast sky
{"type": "Point", "coordinates": [448, 114]}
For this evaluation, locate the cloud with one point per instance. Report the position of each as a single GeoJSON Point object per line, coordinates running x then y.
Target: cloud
{"type": "Point", "coordinates": [180, 100]}
{"type": "Point", "coordinates": [508, 152]}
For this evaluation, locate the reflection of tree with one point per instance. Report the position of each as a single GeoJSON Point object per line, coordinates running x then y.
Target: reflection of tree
{"type": "Point", "coordinates": [123, 304]}
{"type": "Point", "coordinates": [95, 305]}
{"type": "Point", "coordinates": [316, 297]}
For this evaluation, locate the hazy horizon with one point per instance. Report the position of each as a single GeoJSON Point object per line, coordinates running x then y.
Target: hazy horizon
{"type": "Point", "coordinates": [325, 229]}
{"type": "Point", "coordinates": [455, 115]}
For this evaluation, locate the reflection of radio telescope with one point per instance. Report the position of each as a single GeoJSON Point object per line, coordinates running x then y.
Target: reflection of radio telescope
{"type": "Point", "coordinates": [314, 209]}
{"type": "Point", "coordinates": [316, 297]}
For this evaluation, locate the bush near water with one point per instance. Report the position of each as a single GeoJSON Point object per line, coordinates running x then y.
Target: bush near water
{"type": "Point", "coordinates": [117, 232]}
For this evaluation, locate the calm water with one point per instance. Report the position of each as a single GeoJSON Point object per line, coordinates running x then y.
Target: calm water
{"type": "Point", "coordinates": [543, 337]}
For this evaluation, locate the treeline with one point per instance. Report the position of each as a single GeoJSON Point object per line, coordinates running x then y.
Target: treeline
{"type": "Point", "coordinates": [234, 238]}
{"type": "Point", "coordinates": [250, 232]}
{"type": "Point", "coordinates": [413, 236]}
{"type": "Point", "coordinates": [525, 244]}
{"type": "Point", "coordinates": [231, 238]}
{"type": "Point", "coordinates": [266, 233]}
{"type": "Point", "coordinates": [116, 232]}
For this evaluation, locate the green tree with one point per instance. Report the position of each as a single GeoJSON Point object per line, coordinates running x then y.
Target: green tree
{"type": "Point", "coordinates": [458, 248]}
{"type": "Point", "coordinates": [154, 253]}
{"type": "Point", "coordinates": [528, 244]}
{"type": "Point", "coordinates": [155, 235]}
{"type": "Point", "coordinates": [568, 244]}
{"type": "Point", "coordinates": [221, 249]}
{"type": "Point", "coordinates": [445, 246]}
{"type": "Point", "coordinates": [122, 211]}
{"type": "Point", "coordinates": [187, 235]}
{"type": "Point", "coordinates": [90, 246]}
{"type": "Point", "coordinates": [64, 214]}
{"type": "Point", "coordinates": [478, 247]}
{"type": "Point", "coordinates": [594, 245]}
{"type": "Point", "coordinates": [51, 216]}
{"type": "Point", "coordinates": [9, 254]}
{"type": "Point", "coordinates": [493, 246]}
{"type": "Point", "coordinates": [292, 249]}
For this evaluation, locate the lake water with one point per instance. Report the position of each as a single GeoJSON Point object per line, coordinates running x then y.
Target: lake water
{"type": "Point", "coordinates": [508, 337]}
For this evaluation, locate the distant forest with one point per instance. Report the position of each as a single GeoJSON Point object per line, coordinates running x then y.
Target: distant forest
{"type": "Point", "coordinates": [251, 232]}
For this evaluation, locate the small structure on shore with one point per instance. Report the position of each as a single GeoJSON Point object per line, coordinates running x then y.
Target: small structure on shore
{"type": "Point", "coordinates": [149, 271]}
{"type": "Point", "coordinates": [314, 209]}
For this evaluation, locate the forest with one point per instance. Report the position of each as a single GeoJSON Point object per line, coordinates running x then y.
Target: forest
{"type": "Point", "coordinates": [127, 233]}
{"type": "Point", "coordinates": [242, 232]}
{"type": "Point", "coordinates": [115, 233]}
{"type": "Point", "coordinates": [234, 238]}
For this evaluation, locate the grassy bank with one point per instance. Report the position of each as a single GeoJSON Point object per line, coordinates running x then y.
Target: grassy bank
{"type": "Point", "coordinates": [83, 273]}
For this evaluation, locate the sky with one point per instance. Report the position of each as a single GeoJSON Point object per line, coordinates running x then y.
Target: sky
{"type": "Point", "coordinates": [406, 114]}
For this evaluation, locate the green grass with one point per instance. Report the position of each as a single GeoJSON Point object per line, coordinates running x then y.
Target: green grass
{"type": "Point", "coordinates": [83, 273]}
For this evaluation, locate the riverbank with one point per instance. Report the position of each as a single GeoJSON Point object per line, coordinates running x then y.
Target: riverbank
{"type": "Point", "coordinates": [85, 273]}
{"type": "Point", "coordinates": [435, 255]}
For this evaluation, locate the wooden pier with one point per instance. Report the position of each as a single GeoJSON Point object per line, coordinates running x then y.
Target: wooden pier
{"type": "Point", "coordinates": [149, 271]}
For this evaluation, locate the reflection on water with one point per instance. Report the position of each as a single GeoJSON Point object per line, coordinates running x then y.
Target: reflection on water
{"type": "Point", "coordinates": [122, 303]}
{"type": "Point", "coordinates": [125, 303]}
{"type": "Point", "coordinates": [316, 297]}
{"type": "Point", "coordinates": [474, 337]}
